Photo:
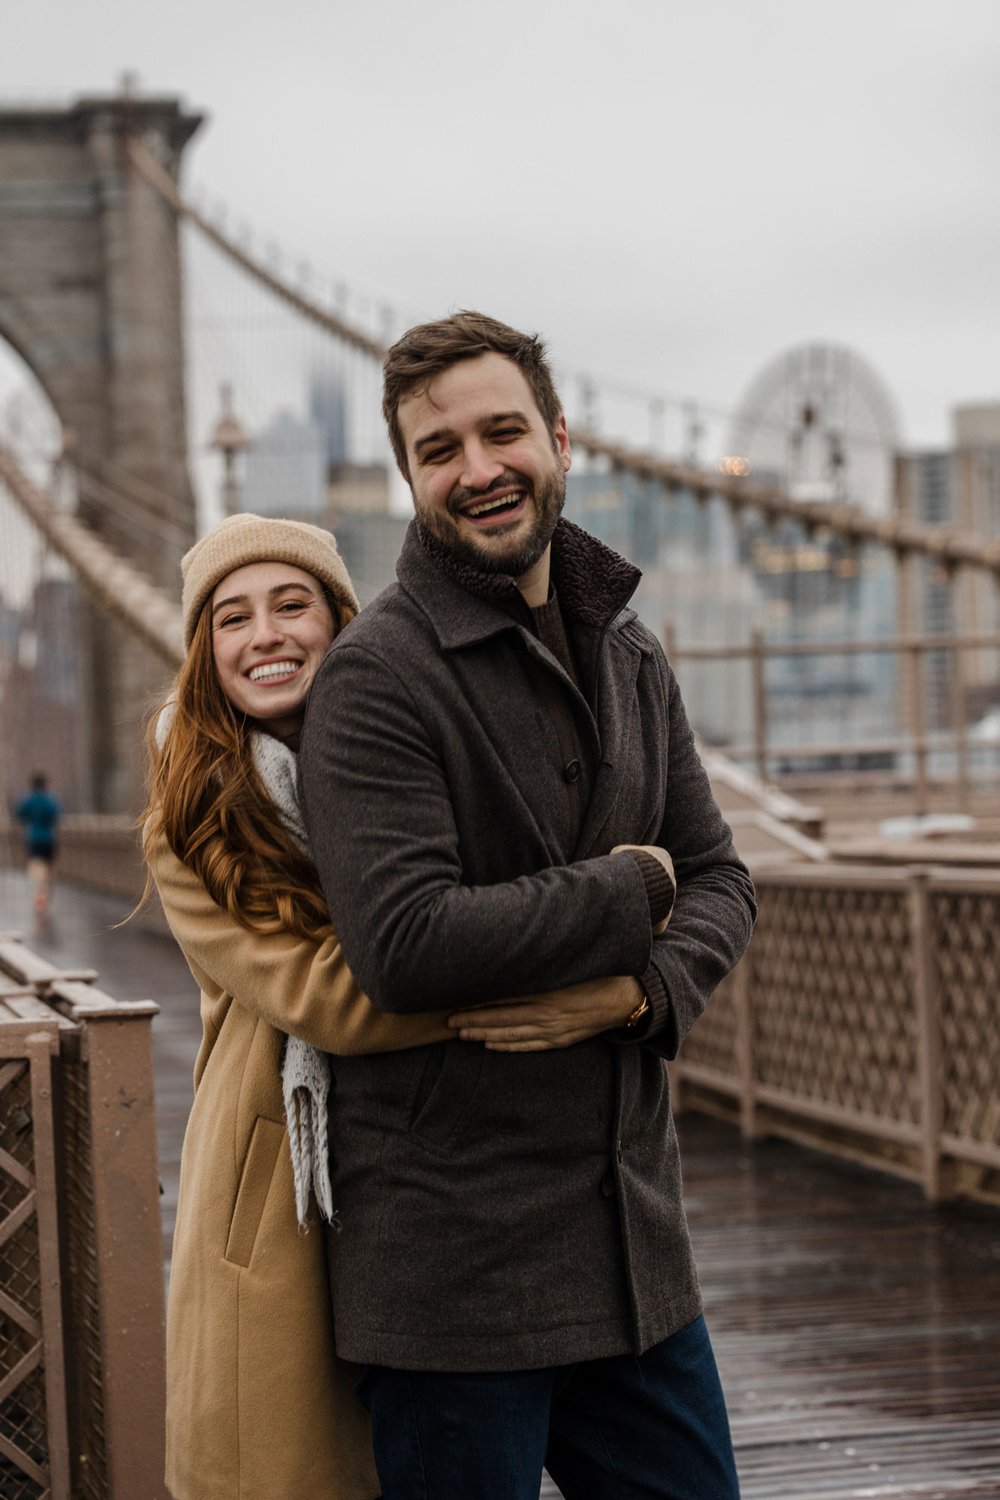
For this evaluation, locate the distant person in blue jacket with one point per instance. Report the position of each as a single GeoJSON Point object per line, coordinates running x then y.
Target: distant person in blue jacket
{"type": "Point", "coordinates": [39, 811]}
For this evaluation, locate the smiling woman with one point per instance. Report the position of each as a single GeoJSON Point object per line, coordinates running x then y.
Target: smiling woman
{"type": "Point", "coordinates": [271, 624]}
{"type": "Point", "coordinates": [250, 1354]}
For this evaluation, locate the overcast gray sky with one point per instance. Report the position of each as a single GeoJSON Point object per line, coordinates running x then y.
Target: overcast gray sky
{"type": "Point", "coordinates": [671, 192]}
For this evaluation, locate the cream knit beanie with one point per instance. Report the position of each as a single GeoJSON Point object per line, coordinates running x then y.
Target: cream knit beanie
{"type": "Point", "coordinates": [243, 539]}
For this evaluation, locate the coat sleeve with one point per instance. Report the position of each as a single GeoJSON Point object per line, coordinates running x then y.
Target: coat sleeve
{"type": "Point", "coordinates": [383, 838]}
{"type": "Point", "coordinates": [300, 987]}
{"type": "Point", "coordinates": [714, 909]}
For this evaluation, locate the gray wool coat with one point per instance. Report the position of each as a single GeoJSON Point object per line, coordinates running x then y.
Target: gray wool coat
{"type": "Point", "coordinates": [510, 1210]}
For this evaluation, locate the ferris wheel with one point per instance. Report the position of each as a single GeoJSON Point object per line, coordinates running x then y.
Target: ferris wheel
{"type": "Point", "coordinates": [819, 422]}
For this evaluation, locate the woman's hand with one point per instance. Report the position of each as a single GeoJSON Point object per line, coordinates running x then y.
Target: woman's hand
{"type": "Point", "coordinates": [539, 1023]}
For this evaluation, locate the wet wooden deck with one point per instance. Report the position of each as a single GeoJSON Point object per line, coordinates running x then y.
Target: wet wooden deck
{"type": "Point", "coordinates": [856, 1328]}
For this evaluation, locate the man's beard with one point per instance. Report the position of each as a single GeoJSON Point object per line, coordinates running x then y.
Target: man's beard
{"type": "Point", "coordinates": [549, 497]}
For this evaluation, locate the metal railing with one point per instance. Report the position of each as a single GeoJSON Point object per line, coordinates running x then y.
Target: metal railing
{"type": "Point", "coordinates": [863, 1020]}
{"type": "Point", "coordinates": [918, 741]}
{"type": "Point", "coordinates": [82, 1385]}
{"type": "Point", "coordinates": [96, 850]}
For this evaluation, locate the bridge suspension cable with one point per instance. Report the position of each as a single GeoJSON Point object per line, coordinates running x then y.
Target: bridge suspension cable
{"type": "Point", "coordinates": [148, 612]}
{"type": "Point", "coordinates": [149, 168]}
{"type": "Point", "coordinates": [948, 546]}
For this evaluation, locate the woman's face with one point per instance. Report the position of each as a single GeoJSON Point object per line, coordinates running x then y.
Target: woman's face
{"type": "Point", "coordinates": [271, 626]}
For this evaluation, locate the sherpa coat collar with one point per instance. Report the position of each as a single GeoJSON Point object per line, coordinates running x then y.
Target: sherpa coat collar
{"type": "Point", "coordinates": [593, 583]}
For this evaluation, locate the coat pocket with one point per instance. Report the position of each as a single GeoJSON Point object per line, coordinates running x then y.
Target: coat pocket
{"type": "Point", "coordinates": [255, 1183]}
{"type": "Point", "coordinates": [445, 1091]}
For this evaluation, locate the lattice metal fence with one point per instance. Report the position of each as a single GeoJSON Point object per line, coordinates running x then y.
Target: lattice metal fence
{"type": "Point", "coordinates": [81, 1269]}
{"type": "Point", "coordinates": [863, 1018]}
{"type": "Point", "coordinates": [34, 1453]}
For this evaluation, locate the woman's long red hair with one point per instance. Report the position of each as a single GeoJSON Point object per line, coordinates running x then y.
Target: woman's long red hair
{"type": "Point", "coordinates": [206, 798]}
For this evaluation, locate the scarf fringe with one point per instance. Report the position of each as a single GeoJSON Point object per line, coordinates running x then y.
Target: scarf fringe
{"type": "Point", "coordinates": [306, 1075]}
{"type": "Point", "coordinates": [305, 1085]}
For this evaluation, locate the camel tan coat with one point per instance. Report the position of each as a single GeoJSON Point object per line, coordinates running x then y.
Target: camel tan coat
{"type": "Point", "coordinates": [258, 1405]}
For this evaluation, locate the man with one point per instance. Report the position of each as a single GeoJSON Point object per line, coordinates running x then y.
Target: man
{"type": "Point", "coordinates": [513, 1269]}
{"type": "Point", "coordinates": [40, 812]}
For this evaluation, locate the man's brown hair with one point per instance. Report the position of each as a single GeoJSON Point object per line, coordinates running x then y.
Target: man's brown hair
{"type": "Point", "coordinates": [430, 348]}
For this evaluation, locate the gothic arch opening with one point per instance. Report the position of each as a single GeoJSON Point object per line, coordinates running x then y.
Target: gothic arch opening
{"type": "Point", "coordinates": [42, 665]}
{"type": "Point", "coordinates": [29, 422]}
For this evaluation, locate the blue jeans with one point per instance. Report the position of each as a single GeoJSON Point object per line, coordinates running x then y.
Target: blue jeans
{"type": "Point", "coordinates": [625, 1428]}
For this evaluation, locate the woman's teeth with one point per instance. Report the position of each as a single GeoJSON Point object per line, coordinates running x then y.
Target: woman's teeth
{"type": "Point", "coordinates": [272, 669]}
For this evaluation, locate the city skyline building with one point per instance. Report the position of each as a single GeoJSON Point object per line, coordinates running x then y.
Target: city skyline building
{"type": "Point", "coordinates": [328, 410]}
{"type": "Point", "coordinates": [284, 471]}
{"type": "Point", "coordinates": [958, 486]}
{"type": "Point", "coordinates": [43, 691]}
{"type": "Point", "coordinates": [712, 581]}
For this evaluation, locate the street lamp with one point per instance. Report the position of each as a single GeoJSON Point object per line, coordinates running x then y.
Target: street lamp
{"type": "Point", "coordinates": [230, 439]}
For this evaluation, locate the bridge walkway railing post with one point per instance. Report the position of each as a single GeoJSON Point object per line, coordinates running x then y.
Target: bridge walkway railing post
{"type": "Point", "coordinates": [81, 1262]}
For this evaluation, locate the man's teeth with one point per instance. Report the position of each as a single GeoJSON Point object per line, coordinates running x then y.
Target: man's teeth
{"type": "Point", "coordinates": [272, 669]}
{"type": "Point", "coordinates": [476, 511]}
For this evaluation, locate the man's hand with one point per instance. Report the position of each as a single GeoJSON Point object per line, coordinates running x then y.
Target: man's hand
{"type": "Point", "coordinates": [539, 1023]}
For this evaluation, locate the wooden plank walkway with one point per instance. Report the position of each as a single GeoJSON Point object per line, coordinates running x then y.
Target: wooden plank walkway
{"type": "Point", "coordinates": [856, 1328]}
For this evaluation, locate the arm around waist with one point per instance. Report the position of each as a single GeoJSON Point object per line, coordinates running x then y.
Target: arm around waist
{"type": "Point", "coordinates": [302, 987]}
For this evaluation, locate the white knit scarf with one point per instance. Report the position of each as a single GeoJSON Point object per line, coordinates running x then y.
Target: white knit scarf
{"type": "Point", "coordinates": [305, 1071]}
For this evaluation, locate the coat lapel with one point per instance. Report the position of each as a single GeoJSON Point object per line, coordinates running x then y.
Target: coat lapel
{"type": "Point", "coordinates": [617, 671]}
{"type": "Point", "coordinates": [593, 585]}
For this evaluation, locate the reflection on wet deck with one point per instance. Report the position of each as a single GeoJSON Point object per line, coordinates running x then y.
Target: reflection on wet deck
{"type": "Point", "coordinates": [857, 1328]}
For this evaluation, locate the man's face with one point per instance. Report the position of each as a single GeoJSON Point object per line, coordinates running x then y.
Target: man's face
{"type": "Point", "coordinates": [487, 477]}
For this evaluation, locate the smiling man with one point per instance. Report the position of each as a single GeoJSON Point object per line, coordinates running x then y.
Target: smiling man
{"type": "Point", "coordinates": [488, 477]}
{"type": "Point", "coordinates": [498, 772]}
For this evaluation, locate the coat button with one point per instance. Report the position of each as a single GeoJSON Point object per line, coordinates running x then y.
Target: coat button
{"type": "Point", "coordinates": [571, 770]}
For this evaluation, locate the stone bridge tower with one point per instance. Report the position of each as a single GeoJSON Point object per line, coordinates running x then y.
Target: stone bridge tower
{"type": "Point", "coordinates": [90, 298]}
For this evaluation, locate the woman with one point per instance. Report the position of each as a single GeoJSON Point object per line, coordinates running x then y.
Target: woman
{"type": "Point", "coordinates": [258, 1405]}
